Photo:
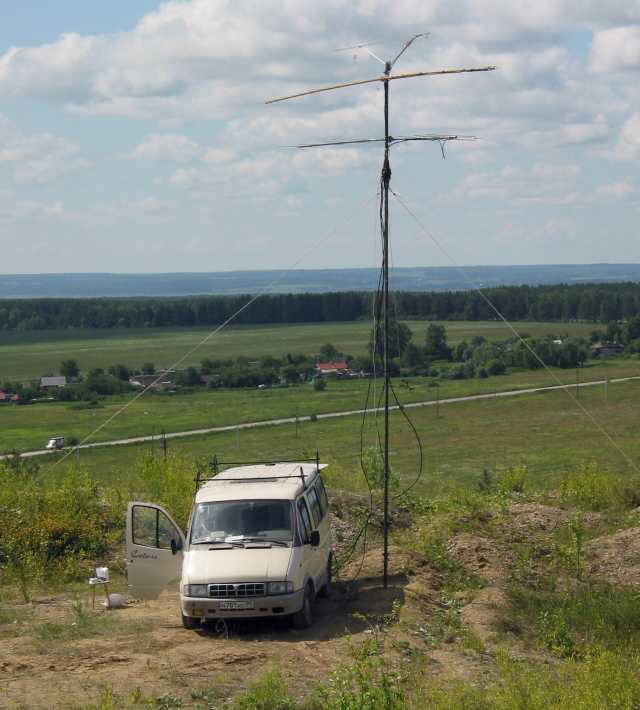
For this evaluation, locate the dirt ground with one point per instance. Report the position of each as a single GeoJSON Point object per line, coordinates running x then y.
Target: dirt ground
{"type": "Point", "coordinates": [144, 646]}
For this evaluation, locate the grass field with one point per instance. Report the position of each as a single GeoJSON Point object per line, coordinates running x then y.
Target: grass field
{"type": "Point", "coordinates": [546, 431]}
{"type": "Point", "coordinates": [27, 428]}
{"type": "Point", "coordinates": [30, 354]}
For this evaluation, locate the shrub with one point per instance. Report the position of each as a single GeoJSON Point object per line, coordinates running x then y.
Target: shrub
{"type": "Point", "coordinates": [590, 487]}
{"type": "Point", "coordinates": [512, 480]}
{"type": "Point", "coordinates": [604, 679]}
{"type": "Point", "coordinates": [50, 524]}
{"type": "Point", "coordinates": [363, 684]}
{"type": "Point", "coordinates": [268, 693]}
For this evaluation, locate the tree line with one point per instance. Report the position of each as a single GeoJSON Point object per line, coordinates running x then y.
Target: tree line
{"type": "Point", "coordinates": [588, 302]}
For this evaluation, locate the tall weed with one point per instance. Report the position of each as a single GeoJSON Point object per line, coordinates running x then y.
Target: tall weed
{"type": "Point", "coordinates": [591, 487]}
{"type": "Point", "coordinates": [604, 679]}
{"type": "Point", "coordinates": [365, 683]}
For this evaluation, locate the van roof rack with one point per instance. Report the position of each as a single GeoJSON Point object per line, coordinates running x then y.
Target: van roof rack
{"type": "Point", "coordinates": [215, 464]}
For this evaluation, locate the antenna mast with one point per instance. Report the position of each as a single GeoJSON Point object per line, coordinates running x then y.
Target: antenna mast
{"type": "Point", "coordinates": [389, 140]}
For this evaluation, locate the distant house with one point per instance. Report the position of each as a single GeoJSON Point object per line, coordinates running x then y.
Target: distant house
{"type": "Point", "coordinates": [330, 368]}
{"type": "Point", "coordinates": [8, 398]}
{"type": "Point", "coordinates": [164, 381]}
{"type": "Point", "coordinates": [606, 348]}
{"type": "Point", "coordinates": [52, 382]}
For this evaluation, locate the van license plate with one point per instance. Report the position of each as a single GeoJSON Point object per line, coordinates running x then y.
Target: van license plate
{"type": "Point", "coordinates": [233, 604]}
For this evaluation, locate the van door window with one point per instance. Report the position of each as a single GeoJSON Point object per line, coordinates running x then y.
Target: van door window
{"type": "Point", "coordinates": [315, 507]}
{"type": "Point", "coordinates": [305, 520]}
{"type": "Point", "coordinates": [152, 528]}
{"type": "Point", "coordinates": [322, 495]}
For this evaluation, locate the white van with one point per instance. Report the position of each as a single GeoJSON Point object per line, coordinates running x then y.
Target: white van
{"type": "Point", "coordinates": [55, 442]}
{"type": "Point", "coordinates": [258, 545]}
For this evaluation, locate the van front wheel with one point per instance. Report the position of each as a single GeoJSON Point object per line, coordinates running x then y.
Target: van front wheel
{"type": "Point", "coordinates": [190, 622]}
{"type": "Point", "coordinates": [304, 618]}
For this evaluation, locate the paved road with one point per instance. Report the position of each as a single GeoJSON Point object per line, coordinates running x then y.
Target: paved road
{"type": "Point", "coordinates": [331, 415]}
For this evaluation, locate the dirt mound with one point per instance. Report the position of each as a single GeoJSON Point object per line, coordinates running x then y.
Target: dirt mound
{"type": "Point", "coordinates": [535, 517]}
{"type": "Point", "coordinates": [480, 555]}
{"type": "Point", "coordinates": [483, 614]}
{"type": "Point", "coordinates": [616, 558]}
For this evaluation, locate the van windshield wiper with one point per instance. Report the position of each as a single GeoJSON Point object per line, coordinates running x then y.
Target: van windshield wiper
{"type": "Point", "coordinates": [271, 540]}
{"type": "Point", "coordinates": [217, 541]}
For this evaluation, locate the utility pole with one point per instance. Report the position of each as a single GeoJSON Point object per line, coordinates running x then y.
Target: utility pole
{"type": "Point", "coordinates": [388, 140]}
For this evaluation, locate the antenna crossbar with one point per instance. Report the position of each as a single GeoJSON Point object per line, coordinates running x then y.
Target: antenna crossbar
{"type": "Point", "coordinates": [392, 139]}
{"type": "Point", "coordinates": [383, 78]}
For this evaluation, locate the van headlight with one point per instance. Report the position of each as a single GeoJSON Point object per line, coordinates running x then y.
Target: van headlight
{"type": "Point", "coordinates": [280, 588]}
{"type": "Point", "coordinates": [197, 590]}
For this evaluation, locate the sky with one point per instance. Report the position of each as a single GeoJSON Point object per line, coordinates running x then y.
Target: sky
{"type": "Point", "coordinates": [134, 136]}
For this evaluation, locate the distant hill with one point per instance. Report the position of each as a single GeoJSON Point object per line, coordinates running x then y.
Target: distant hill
{"type": "Point", "coordinates": [305, 281]}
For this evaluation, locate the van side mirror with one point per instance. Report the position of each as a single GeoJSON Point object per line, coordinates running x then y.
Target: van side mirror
{"type": "Point", "coordinates": [315, 538]}
{"type": "Point", "coordinates": [175, 546]}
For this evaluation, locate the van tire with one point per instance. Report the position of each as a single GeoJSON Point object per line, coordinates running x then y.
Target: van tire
{"type": "Point", "coordinates": [190, 622]}
{"type": "Point", "coordinates": [304, 618]}
{"type": "Point", "coordinates": [325, 590]}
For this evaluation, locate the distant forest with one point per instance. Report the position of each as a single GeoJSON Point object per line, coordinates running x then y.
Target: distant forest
{"type": "Point", "coordinates": [592, 302]}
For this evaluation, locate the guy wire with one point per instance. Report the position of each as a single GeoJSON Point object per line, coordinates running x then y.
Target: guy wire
{"type": "Point", "coordinates": [496, 310]}
{"type": "Point", "coordinates": [328, 235]}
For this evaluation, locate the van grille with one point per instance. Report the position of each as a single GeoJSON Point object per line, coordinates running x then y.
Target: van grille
{"type": "Point", "coordinates": [237, 591]}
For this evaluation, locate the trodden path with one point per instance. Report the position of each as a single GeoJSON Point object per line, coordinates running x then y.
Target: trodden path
{"type": "Point", "coordinates": [330, 415]}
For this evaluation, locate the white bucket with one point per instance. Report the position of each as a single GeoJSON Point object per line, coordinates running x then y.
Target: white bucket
{"type": "Point", "coordinates": [116, 601]}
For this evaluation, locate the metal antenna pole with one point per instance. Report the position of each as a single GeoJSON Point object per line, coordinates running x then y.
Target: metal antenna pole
{"type": "Point", "coordinates": [386, 177]}
{"type": "Point", "coordinates": [385, 78]}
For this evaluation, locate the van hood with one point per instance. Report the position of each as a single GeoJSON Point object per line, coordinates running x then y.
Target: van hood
{"type": "Point", "coordinates": [208, 566]}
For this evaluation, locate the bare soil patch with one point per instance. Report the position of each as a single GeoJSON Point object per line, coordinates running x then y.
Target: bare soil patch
{"type": "Point", "coordinates": [616, 558]}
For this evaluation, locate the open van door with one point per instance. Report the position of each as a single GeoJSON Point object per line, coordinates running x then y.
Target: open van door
{"type": "Point", "coordinates": [154, 550]}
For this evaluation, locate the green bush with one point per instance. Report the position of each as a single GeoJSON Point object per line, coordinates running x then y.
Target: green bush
{"type": "Point", "coordinates": [50, 523]}
{"type": "Point", "coordinates": [591, 487]}
{"type": "Point", "coordinates": [603, 680]}
{"type": "Point", "coordinates": [513, 479]}
{"type": "Point", "coordinates": [268, 693]}
{"type": "Point", "coordinates": [365, 683]}
{"type": "Point", "coordinates": [591, 615]}
{"type": "Point", "coordinates": [168, 483]}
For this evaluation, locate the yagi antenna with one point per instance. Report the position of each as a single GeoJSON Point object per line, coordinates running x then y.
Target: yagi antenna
{"type": "Point", "coordinates": [365, 46]}
{"type": "Point", "coordinates": [386, 78]}
{"type": "Point", "coordinates": [393, 140]}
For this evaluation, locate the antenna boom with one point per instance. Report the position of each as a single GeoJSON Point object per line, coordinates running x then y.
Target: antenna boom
{"type": "Point", "coordinates": [382, 78]}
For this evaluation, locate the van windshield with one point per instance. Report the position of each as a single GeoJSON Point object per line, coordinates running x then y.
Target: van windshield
{"type": "Point", "coordinates": [220, 521]}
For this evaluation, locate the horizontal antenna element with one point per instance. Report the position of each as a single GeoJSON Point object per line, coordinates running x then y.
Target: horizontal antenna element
{"type": "Point", "coordinates": [382, 78]}
{"type": "Point", "coordinates": [392, 140]}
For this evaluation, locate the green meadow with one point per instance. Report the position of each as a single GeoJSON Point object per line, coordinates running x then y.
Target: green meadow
{"type": "Point", "coordinates": [548, 432]}
{"type": "Point", "coordinates": [26, 428]}
{"type": "Point", "coordinates": [30, 354]}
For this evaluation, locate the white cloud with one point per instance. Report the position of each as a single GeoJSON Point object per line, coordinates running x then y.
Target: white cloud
{"type": "Point", "coordinates": [615, 190]}
{"type": "Point", "coordinates": [616, 49]}
{"type": "Point", "coordinates": [167, 146]}
{"type": "Point", "coordinates": [149, 206]}
{"type": "Point", "coordinates": [628, 145]}
{"type": "Point", "coordinates": [13, 210]}
{"type": "Point", "coordinates": [37, 158]}
{"type": "Point", "coordinates": [550, 184]}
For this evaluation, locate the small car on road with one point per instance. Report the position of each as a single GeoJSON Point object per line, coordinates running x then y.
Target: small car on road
{"type": "Point", "coordinates": [55, 442]}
